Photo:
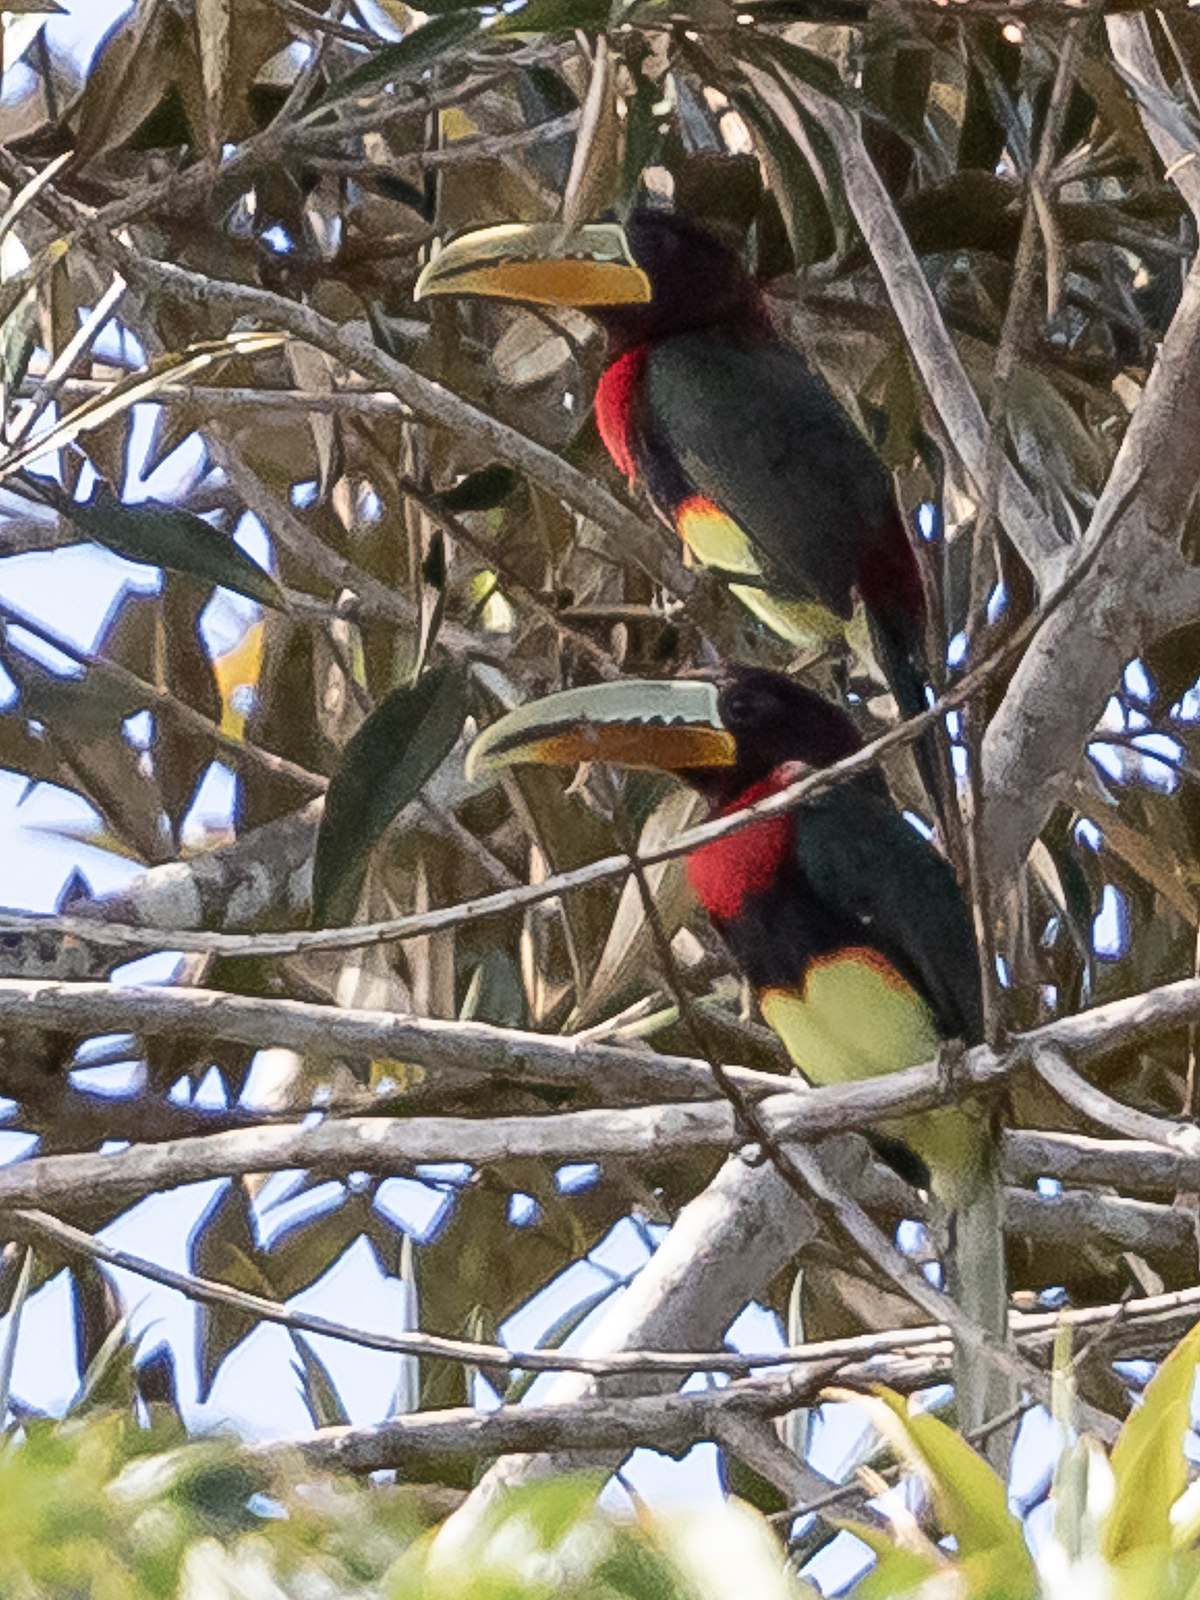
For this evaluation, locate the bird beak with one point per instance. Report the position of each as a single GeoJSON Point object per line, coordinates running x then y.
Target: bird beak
{"type": "Point", "coordinates": [639, 722]}
{"type": "Point", "coordinates": [539, 263]}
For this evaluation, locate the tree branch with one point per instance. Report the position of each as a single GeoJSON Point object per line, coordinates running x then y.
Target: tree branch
{"type": "Point", "coordinates": [1131, 1165]}
{"type": "Point", "coordinates": [522, 895]}
{"type": "Point", "coordinates": [1133, 51]}
{"type": "Point", "coordinates": [510, 1054]}
{"type": "Point", "coordinates": [428, 1442]}
{"type": "Point", "coordinates": [431, 402]}
{"type": "Point", "coordinates": [725, 1246]}
{"type": "Point", "coordinates": [1057, 1072]}
{"type": "Point", "coordinates": [1161, 1317]}
{"type": "Point", "coordinates": [1139, 588]}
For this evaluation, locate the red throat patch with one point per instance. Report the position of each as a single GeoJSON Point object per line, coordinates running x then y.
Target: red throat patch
{"type": "Point", "coordinates": [730, 871]}
{"type": "Point", "coordinates": [616, 394]}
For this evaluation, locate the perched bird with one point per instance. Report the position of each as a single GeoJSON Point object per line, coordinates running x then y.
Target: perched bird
{"type": "Point", "coordinates": [847, 923]}
{"type": "Point", "coordinates": [740, 447]}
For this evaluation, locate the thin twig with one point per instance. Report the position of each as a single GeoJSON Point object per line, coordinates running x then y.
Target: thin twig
{"type": "Point", "coordinates": [1016, 320]}
{"type": "Point", "coordinates": [1057, 1072]}
{"type": "Point", "coordinates": [52, 384]}
{"type": "Point", "coordinates": [556, 884]}
{"type": "Point", "coordinates": [160, 700]}
{"type": "Point", "coordinates": [603, 660]}
{"type": "Point", "coordinates": [803, 1171]}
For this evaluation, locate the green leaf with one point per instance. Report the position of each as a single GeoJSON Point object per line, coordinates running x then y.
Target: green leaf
{"type": "Point", "coordinates": [16, 288]}
{"type": "Point", "coordinates": [223, 1247]}
{"type": "Point", "coordinates": [163, 536]}
{"type": "Point", "coordinates": [482, 490]}
{"type": "Point", "coordinates": [797, 187]}
{"type": "Point", "coordinates": [109, 1381]}
{"type": "Point", "coordinates": [971, 1500]}
{"type": "Point", "coordinates": [818, 71]}
{"type": "Point", "coordinates": [494, 993]}
{"type": "Point", "coordinates": [404, 740]}
{"type": "Point", "coordinates": [550, 1507]}
{"type": "Point", "coordinates": [627, 962]}
{"type": "Point", "coordinates": [555, 16]}
{"type": "Point", "coordinates": [1148, 1462]}
{"type": "Point", "coordinates": [727, 1552]}
{"type": "Point", "coordinates": [398, 63]}
{"type": "Point", "coordinates": [897, 1571]}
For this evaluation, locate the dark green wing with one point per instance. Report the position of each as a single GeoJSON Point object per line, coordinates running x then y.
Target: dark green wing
{"type": "Point", "coordinates": [875, 873]}
{"type": "Point", "coordinates": [760, 436]}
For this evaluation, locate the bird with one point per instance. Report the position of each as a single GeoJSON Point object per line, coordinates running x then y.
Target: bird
{"type": "Point", "coordinates": [741, 448]}
{"type": "Point", "coordinates": [846, 922]}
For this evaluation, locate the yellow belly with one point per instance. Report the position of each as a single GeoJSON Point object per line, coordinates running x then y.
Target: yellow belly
{"type": "Point", "coordinates": [857, 1018]}
{"type": "Point", "coordinates": [717, 541]}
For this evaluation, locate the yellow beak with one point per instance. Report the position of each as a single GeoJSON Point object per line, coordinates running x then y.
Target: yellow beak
{"type": "Point", "coordinates": [639, 722]}
{"type": "Point", "coordinates": [539, 263]}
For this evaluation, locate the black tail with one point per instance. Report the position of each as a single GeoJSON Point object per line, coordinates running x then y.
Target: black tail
{"type": "Point", "coordinates": [900, 650]}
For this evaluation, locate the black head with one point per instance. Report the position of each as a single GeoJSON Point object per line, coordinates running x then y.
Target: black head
{"type": "Point", "coordinates": [774, 721]}
{"type": "Point", "coordinates": [696, 282]}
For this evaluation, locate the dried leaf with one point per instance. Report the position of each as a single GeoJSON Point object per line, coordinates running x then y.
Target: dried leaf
{"type": "Point", "coordinates": [14, 289]}
{"type": "Point", "coordinates": [128, 79]}
{"type": "Point", "coordinates": [139, 386]}
{"type": "Point", "coordinates": [629, 951]}
{"type": "Point", "coordinates": [312, 370]}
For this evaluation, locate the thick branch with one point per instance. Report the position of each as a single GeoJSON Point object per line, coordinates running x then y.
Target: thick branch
{"type": "Point", "coordinates": [464, 1051]}
{"type": "Point", "coordinates": [725, 1246]}
{"type": "Point", "coordinates": [265, 874]}
{"type": "Point", "coordinates": [429, 1441]}
{"type": "Point", "coordinates": [389, 1145]}
{"type": "Point", "coordinates": [1131, 1165]}
{"type": "Point", "coordinates": [1139, 589]}
{"type": "Point", "coordinates": [509, 1054]}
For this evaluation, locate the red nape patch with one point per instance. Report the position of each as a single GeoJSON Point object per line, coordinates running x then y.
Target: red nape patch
{"type": "Point", "coordinates": [729, 871]}
{"type": "Point", "coordinates": [615, 396]}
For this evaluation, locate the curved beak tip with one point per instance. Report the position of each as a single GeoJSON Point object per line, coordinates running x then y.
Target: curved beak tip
{"type": "Point", "coordinates": [669, 727]}
{"type": "Point", "coordinates": [539, 263]}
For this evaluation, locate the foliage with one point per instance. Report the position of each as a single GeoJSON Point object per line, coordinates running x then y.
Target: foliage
{"type": "Point", "coordinates": [1124, 1525]}
{"type": "Point", "coordinates": [379, 567]}
{"type": "Point", "coordinates": [103, 1509]}
{"type": "Point", "coordinates": [99, 1504]}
